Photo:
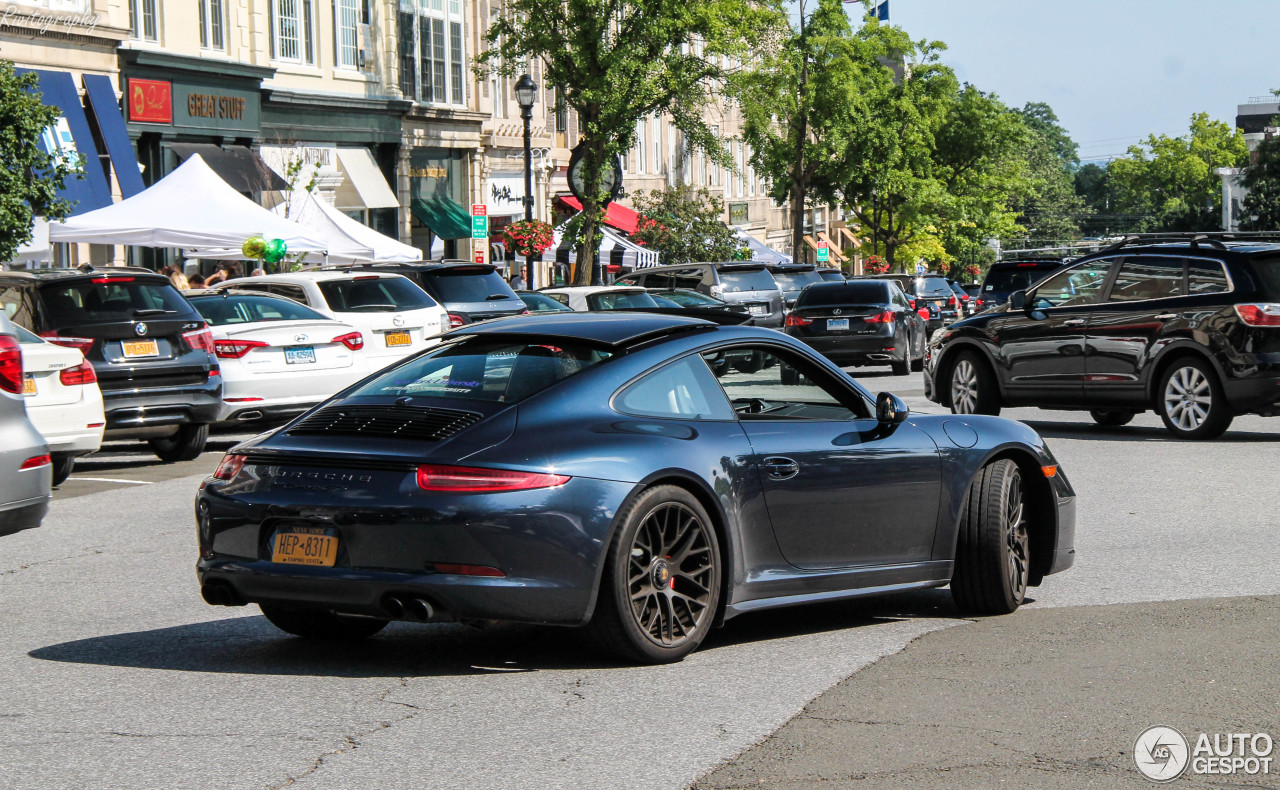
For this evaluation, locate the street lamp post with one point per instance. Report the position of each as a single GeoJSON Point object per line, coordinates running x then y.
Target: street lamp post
{"type": "Point", "coordinates": [526, 95]}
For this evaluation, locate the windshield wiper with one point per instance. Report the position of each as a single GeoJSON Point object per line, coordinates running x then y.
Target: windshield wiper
{"type": "Point", "coordinates": [149, 311]}
{"type": "Point", "coordinates": [491, 297]}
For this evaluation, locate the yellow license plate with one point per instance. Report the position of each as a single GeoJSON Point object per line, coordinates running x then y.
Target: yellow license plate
{"type": "Point", "coordinates": [140, 348]}
{"type": "Point", "coordinates": [398, 339]}
{"type": "Point", "coordinates": [28, 386]}
{"type": "Point", "coordinates": [317, 546]}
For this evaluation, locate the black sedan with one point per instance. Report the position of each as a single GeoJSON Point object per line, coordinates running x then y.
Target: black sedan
{"type": "Point", "coordinates": [591, 470]}
{"type": "Point", "coordinates": [859, 322]}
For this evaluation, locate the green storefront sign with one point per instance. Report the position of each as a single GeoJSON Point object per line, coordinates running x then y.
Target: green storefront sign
{"type": "Point", "coordinates": [221, 109]}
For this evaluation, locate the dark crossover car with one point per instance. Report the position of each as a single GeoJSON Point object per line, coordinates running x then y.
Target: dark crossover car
{"type": "Point", "coordinates": [468, 291]}
{"type": "Point", "coordinates": [1006, 276]}
{"type": "Point", "coordinates": [792, 278]}
{"type": "Point", "coordinates": [591, 470]}
{"type": "Point", "coordinates": [907, 284]}
{"type": "Point", "coordinates": [831, 275]}
{"type": "Point", "coordinates": [151, 351]}
{"type": "Point", "coordinates": [747, 283]}
{"type": "Point", "coordinates": [1189, 327]}
{"type": "Point", "coordinates": [859, 322]}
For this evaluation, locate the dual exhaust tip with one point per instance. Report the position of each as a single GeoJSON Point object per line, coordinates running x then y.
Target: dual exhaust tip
{"type": "Point", "coordinates": [221, 594]}
{"type": "Point", "coordinates": [409, 608]}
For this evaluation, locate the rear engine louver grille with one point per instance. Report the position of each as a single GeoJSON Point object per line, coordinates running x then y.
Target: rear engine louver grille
{"type": "Point", "coordinates": [390, 422]}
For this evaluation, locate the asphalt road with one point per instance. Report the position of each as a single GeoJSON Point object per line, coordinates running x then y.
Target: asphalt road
{"type": "Point", "coordinates": [113, 672]}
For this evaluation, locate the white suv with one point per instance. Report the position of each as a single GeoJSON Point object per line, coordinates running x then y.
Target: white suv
{"type": "Point", "coordinates": [396, 317]}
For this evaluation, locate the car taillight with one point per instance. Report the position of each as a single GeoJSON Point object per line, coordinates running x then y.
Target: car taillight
{"type": "Point", "coordinates": [229, 467]}
{"type": "Point", "coordinates": [456, 320]}
{"type": "Point", "coordinates": [1261, 314]}
{"type": "Point", "coordinates": [978, 303]}
{"type": "Point", "coordinates": [525, 312]}
{"type": "Point", "coordinates": [10, 365]}
{"type": "Point", "coordinates": [884, 317]}
{"type": "Point", "coordinates": [234, 349]}
{"type": "Point", "coordinates": [80, 374]}
{"type": "Point", "coordinates": [352, 340]}
{"type": "Point", "coordinates": [465, 479]}
{"type": "Point", "coordinates": [951, 302]}
{"type": "Point", "coordinates": [200, 340]}
{"type": "Point", "coordinates": [36, 461]}
{"type": "Point", "coordinates": [81, 344]}
{"type": "Point", "coordinates": [914, 305]}
{"type": "Point", "coordinates": [112, 279]}
{"type": "Point", "coordinates": [466, 570]}
{"type": "Point", "coordinates": [795, 320]}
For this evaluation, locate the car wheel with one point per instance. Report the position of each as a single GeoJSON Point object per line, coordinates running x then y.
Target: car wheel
{"type": "Point", "coordinates": [901, 367]}
{"type": "Point", "coordinates": [62, 466]}
{"type": "Point", "coordinates": [321, 624]}
{"type": "Point", "coordinates": [1190, 401]}
{"type": "Point", "coordinates": [917, 364]}
{"type": "Point", "coordinates": [661, 581]}
{"type": "Point", "coordinates": [788, 374]}
{"type": "Point", "coordinates": [185, 445]}
{"type": "Point", "coordinates": [1112, 418]}
{"type": "Point", "coordinates": [993, 550]}
{"type": "Point", "coordinates": [751, 364]}
{"type": "Point", "coordinates": [973, 387]}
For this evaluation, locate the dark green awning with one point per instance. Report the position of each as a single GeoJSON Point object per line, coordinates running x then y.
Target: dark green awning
{"type": "Point", "coordinates": [446, 219]}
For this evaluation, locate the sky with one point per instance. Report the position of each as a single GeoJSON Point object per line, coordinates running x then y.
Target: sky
{"type": "Point", "coordinates": [1114, 72]}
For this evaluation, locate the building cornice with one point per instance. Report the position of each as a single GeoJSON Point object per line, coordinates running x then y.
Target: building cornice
{"type": "Point", "coordinates": [284, 96]}
{"type": "Point", "coordinates": [150, 58]}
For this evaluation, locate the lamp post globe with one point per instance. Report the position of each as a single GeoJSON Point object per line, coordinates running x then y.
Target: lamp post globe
{"type": "Point", "coordinates": [526, 96]}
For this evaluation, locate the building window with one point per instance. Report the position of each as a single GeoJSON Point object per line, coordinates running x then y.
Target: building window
{"type": "Point", "coordinates": [562, 113]}
{"type": "Point", "coordinates": [657, 144]}
{"type": "Point", "coordinates": [347, 40]}
{"type": "Point", "coordinates": [740, 175]}
{"type": "Point", "coordinates": [142, 19]}
{"type": "Point", "coordinates": [293, 26]}
{"type": "Point", "coordinates": [642, 144]}
{"type": "Point", "coordinates": [431, 32]}
{"type": "Point", "coordinates": [211, 25]}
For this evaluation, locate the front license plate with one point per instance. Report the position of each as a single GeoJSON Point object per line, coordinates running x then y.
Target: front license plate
{"type": "Point", "coordinates": [299, 355]}
{"type": "Point", "coordinates": [398, 339]}
{"type": "Point", "coordinates": [28, 386]}
{"type": "Point", "coordinates": [837, 325]}
{"type": "Point", "coordinates": [140, 348]}
{"type": "Point", "coordinates": [317, 546]}
{"type": "Point", "coordinates": [758, 309]}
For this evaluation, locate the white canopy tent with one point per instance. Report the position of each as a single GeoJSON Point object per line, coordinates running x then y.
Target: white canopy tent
{"type": "Point", "coordinates": [316, 214]}
{"type": "Point", "coordinates": [191, 208]}
{"type": "Point", "coordinates": [759, 250]}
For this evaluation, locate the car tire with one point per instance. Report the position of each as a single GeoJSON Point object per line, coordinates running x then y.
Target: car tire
{"type": "Point", "coordinates": [62, 466]}
{"type": "Point", "coordinates": [993, 549]}
{"type": "Point", "coordinates": [645, 594]}
{"type": "Point", "coordinates": [1191, 402]}
{"type": "Point", "coordinates": [788, 374]}
{"type": "Point", "coordinates": [917, 364]}
{"type": "Point", "coordinates": [1112, 418]}
{"type": "Point", "coordinates": [185, 445]}
{"type": "Point", "coordinates": [972, 386]}
{"type": "Point", "coordinates": [901, 367]}
{"type": "Point", "coordinates": [751, 364]}
{"type": "Point", "coordinates": [320, 624]}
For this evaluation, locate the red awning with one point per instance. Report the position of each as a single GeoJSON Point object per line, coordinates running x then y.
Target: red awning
{"type": "Point", "coordinates": [620, 217]}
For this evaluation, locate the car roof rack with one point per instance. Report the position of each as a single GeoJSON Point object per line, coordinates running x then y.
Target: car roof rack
{"type": "Point", "coordinates": [1214, 239]}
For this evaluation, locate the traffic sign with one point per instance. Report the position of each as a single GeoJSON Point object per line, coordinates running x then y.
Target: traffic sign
{"type": "Point", "coordinates": [824, 253]}
{"type": "Point", "coordinates": [479, 210]}
{"type": "Point", "coordinates": [920, 268]}
{"type": "Point", "coordinates": [480, 256]}
{"type": "Point", "coordinates": [479, 226]}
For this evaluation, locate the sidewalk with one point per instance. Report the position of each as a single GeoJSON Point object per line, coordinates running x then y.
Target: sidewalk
{"type": "Point", "coordinates": [1046, 698]}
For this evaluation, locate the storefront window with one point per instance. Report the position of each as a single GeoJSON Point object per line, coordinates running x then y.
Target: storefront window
{"type": "Point", "coordinates": [211, 25]}
{"type": "Point", "coordinates": [347, 24]}
{"type": "Point", "coordinates": [293, 26]}
{"type": "Point", "coordinates": [433, 70]}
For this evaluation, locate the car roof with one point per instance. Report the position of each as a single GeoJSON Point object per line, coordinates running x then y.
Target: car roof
{"type": "Point", "coordinates": [791, 267]}
{"type": "Point", "coordinates": [317, 275]}
{"type": "Point", "coordinates": [604, 328]}
{"type": "Point", "coordinates": [85, 271]}
{"type": "Point", "coordinates": [417, 267]}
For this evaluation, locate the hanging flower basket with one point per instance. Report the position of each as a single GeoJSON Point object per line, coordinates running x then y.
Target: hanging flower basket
{"type": "Point", "coordinates": [874, 264]}
{"type": "Point", "coordinates": [528, 237]}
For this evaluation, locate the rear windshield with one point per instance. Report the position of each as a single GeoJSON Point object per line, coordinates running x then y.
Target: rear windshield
{"type": "Point", "coordinates": [228, 310]}
{"type": "Point", "coordinates": [485, 369]}
{"type": "Point", "coordinates": [1212, 280]}
{"type": "Point", "coordinates": [27, 338]}
{"type": "Point", "coordinates": [739, 280]}
{"type": "Point", "coordinates": [844, 293]}
{"type": "Point", "coordinates": [119, 299]}
{"type": "Point", "coordinates": [374, 295]}
{"type": "Point", "coordinates": [932, 286]}
{"type": "Point", "coordinates": [690, 298]}
{"type": "Point", "coordinates": [472, 286]}
{"type": "Point", "coordinates": [794, 281]}
{"type": "Point", "coordinates": [541, 303]}
{"type": "Point", "coordinates": [620, 300]}
{"type": "Point", "coordinates": [1010, 279]}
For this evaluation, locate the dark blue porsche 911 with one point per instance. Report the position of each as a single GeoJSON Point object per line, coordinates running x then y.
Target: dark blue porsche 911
{"type": "Point", "coordinates": [592, 470]}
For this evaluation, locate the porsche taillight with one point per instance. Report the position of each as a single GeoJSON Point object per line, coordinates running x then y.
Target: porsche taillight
{"type": "Point", "coordinates": [471, 479]}
{"type": "Point", "coordinates": [229, 467]}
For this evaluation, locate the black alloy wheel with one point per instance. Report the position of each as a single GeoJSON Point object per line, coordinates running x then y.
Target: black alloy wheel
{"type": "Point", "coordinates": [993, 549]}
{"type": "Point", "coordinates": [1190, 401]}
{"type": "Point", "coordinates": [1112, 418]}
{"type": "Point", "coordinates": [321, 624]}
{"type": "Point", "coordinates": [973, 386]}
{"type": "Point", "coordinates": [661, 583]}
{"type": "Point", "coordinates": [185, 445]}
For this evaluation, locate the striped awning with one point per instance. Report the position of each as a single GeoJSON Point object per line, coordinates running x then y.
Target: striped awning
{"type": "Point", "coordinates": [614, 250]}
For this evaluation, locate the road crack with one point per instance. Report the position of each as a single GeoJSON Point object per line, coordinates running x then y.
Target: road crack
{"type": "Point", "coordinates": [90, 553]}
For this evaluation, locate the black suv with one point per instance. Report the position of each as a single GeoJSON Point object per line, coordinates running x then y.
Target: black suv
{"type": "Point", "coordinates": [151, 350]}
{"type": "Point", "coordinates": [1189, 327]}
{"type": "Point", "coordinates": [470, 292]}
{"type": "Point", "coordinates": [1016, 274]}
{"type": "Point", "coordinates": [943, 307]}
{"type": "Point", "coordinates": [736, 282]}
{"type": "Point", "coordinates": [792, 278]}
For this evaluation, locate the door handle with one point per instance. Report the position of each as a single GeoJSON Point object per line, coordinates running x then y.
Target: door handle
{"type": "Point", "coordinates": [1073, 322]}
{"type": "Point", "coordinates": [1166, 316]}
{"type": "Point", "coordinates": [781, 468]}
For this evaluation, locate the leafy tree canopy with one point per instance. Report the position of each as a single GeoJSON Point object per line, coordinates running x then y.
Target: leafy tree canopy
{"type": "Point", "coordinates": [684, 224]}
{"type": "Point", "coordinates": [1261, 206]}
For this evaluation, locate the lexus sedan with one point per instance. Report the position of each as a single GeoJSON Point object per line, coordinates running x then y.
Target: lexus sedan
{"type": "Point", "coordinates": [592, 470]}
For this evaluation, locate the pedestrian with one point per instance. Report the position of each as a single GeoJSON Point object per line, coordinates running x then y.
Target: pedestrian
{"type": "Point", "coordinates": [219, 275]}
{"type": "Point", "coordinates": [179, 279]}
{"type": "Point", "coordinates": [196, 280]}
{"type": "Point", "coordinates": [231, 270]}
{"type": "Point", "coordinates": [516, 282]}
{"type": "Point", "coordinates": [258, 272]}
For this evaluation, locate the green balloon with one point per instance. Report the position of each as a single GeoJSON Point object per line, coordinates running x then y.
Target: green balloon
{"type": "Point", "coordinates": [254, 247]}
{"type": "Point", "coordinates": [277, 249]}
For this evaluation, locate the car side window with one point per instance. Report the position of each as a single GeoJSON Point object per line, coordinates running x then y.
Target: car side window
{"type": "Point", "coordinates": [18, 306]}
{"type": "Point", "coordinates": [561, 298]}
{"type": "Point", "coordinates": [1078, 285]}
{"type": "Point", "coordinates": [1206, 277]}
{"type": "Point", "coordinates": [1147, 277]}
{"type": "Point", "coordinates": [682, 390]}
{"type": "Point", "coordinates": [635, 279]}
{"type": "Point", "coordinates": [767, 383]}
{"type": "Point", "coordinates": [294, 292]}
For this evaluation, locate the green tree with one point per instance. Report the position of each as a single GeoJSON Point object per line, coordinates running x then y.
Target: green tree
{"type": "Point", "coordinates": [1050, 208]}
{"type": "Point", "coordinates": [1261, 206]}
{"type": "Point", "coordinates": [616, 62]}
{"type": "Point", "coordinates": [1041, 119]}
{"type": "Point", "coordinates": [1093, 186]}
{"type": "Point", "coordinates": [684, 224]}
{"type": "Point", "coordinates": [29, 178]}
{"type": "Point", "coordinates": [1170, 181]}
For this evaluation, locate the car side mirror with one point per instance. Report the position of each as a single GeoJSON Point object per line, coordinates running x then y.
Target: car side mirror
{"type": "Point", "coordinates": [1018, 300]}
{"type": "Point", "coordinates": [890, 410]}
